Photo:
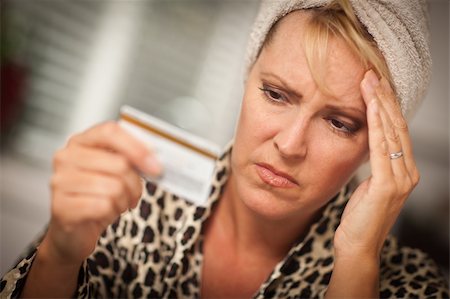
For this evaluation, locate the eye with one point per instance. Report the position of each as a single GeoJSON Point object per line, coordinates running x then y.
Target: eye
{"type": "Point", "coordinates": [340, 127]}
{"type": "Point", "coordinates": [272, 95]}
{"type": "Point", "coordinates": [337, 124]}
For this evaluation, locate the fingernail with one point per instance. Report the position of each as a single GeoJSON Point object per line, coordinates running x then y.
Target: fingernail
{"type": "Point", "coordinates": [153, 166]}
{"type": "Point", "coordinates": [373, 79]}
{"type": "Point", "coordinates": [368, 86]}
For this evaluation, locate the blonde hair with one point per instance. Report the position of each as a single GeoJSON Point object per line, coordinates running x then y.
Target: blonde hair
{"type": "Point", "coordinates": [337, 19]}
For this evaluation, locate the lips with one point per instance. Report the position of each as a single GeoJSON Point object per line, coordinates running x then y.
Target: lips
{"type": "Point", "coordinates": [274, 177]}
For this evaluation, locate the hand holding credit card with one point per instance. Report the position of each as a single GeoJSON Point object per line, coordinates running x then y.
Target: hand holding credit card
{"type": "Point", "coordinates": [188, 160]}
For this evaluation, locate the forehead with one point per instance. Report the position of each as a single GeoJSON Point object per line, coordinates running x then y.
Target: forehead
{"type": "Point", "coordinates": [335, 64]}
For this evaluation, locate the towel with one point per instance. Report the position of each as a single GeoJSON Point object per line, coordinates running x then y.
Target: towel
{"type": "Point", "coordinates": [399, 27]}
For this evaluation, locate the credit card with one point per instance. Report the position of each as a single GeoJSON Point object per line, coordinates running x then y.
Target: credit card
{"type": "Point", "coordinates": [188, 160]}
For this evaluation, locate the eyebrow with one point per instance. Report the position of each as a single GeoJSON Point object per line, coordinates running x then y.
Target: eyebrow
{"type": "Point", "coordinates": [289, 89]}
{"type": "Point", "coordinates": [343, 109]}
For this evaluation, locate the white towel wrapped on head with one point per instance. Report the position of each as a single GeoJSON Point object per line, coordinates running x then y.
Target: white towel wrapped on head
{"type": "Point", "coordinates": [399, 27]}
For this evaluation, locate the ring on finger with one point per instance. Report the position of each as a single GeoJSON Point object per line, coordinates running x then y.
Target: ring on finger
{"type": "Point", "coordinates": [396, 155]}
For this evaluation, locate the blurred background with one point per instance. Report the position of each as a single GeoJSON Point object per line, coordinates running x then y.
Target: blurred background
{"type": "Point", "coordinates": [66, 65]}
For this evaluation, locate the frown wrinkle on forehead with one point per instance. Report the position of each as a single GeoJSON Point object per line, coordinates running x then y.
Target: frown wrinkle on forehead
{"type": "Point", "coordinates": [294, 79]}
{"type": "Point", "coordinates": [284, 54]}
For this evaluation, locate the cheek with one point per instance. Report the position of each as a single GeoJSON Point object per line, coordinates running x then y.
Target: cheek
{"type": "Point", "coordinates": [253, 132]}
{"type": "Point", "coordinates": [337, 155]}
{"type": "Point", "coordinates": [255, 123]}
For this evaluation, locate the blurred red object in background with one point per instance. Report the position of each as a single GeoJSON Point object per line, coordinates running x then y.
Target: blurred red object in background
{"type": "Point", "coordinates": [12, 79]}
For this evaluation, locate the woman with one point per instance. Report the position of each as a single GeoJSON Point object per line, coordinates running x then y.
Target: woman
{"type": "Point", "coordinates": [277, 223]}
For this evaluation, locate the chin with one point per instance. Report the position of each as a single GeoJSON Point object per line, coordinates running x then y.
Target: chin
{"type": "Point", "coordinates": [267, 205]}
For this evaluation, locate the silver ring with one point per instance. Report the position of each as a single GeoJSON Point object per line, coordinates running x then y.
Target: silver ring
{"type": "Point", "coordinates": [396, 155]}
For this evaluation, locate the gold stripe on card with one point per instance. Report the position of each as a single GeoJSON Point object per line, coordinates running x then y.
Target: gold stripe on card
{"type": "Point", "coordinates": [157, 131]}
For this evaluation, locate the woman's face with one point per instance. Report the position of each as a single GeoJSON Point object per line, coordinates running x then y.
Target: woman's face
{"type": "Point", "coordinates": [295, 147]}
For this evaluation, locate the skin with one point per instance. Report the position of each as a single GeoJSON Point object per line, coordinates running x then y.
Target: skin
{"type": "Point", "coordinates": [254, 224]}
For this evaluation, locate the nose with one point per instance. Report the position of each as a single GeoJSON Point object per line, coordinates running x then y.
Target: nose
{"type": "Point", "coordinates": [291, 140]}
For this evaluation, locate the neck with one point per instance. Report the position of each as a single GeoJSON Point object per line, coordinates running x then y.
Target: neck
{"type": "Point", "coordinates": [249, 231]}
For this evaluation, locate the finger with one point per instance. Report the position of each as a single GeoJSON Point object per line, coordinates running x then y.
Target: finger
{"type": "Point", "coordinates": [75, 208]}
{"type": "Point", "coordinates": [93, 184]}
{"type": "Point", "coordinates": [111, 136]}
{"type": "Point", "coordinates": [393, 109]}
{"type": "Point", "coordinates": [392, 137]}
{"type": "Point", "coordinates": [379, 156]}
{"type": "Point", "coordinates": [108, 163]}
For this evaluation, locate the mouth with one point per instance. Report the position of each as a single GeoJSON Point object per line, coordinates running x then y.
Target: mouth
{"type": "Point", "coordinates": [274, 177]}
